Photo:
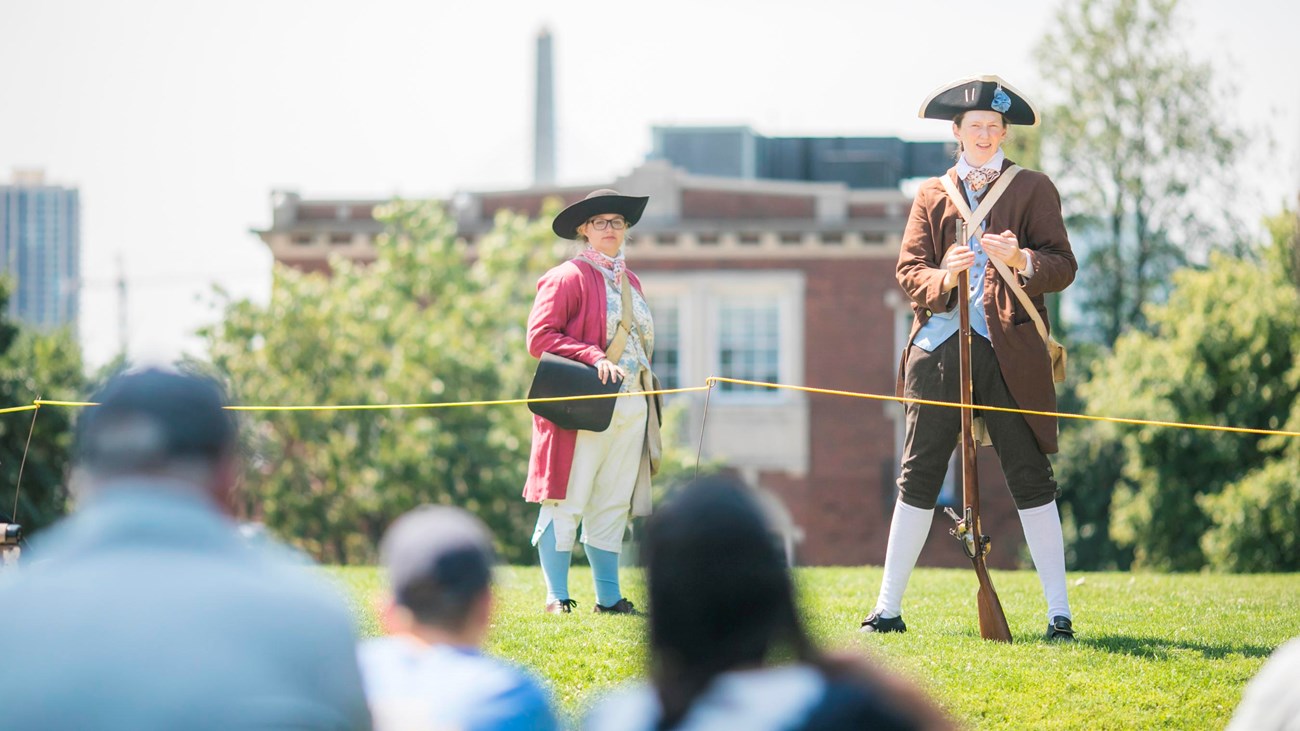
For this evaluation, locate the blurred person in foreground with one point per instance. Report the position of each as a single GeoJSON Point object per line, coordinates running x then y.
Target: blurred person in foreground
{"type": "Point", "coordinates": [1271, 701]}
{"type": "Point", "coordinates": [430, 673]}
{"type": "Point", "coordinates": [146, 610]}
{"type": "Point", "coordinates": [728, 649]}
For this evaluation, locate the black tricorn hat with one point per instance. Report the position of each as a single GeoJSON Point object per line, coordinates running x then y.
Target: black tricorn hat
{"type": "Point", "coordinates": [597, 202]}
{"type": "Point", "coordinates": [986, 93]}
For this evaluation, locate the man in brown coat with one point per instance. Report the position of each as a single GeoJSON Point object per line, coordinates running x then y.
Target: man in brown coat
{"type": "Point", "coordinates": [1010, 366]}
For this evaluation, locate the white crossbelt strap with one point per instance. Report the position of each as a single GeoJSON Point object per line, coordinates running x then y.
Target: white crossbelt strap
{"type": "Point", "coordinates": [972, 224]}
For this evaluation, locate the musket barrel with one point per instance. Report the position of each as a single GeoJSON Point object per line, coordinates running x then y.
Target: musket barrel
{"type": "Point", "coordinates": [993, 621]}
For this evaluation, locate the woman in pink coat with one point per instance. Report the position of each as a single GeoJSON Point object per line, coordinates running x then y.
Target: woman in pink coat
{"type": "Point", "coordinates": [593, 478]}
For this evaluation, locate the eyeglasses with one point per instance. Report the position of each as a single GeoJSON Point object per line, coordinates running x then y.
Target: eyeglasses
{"type": "Point", "coordinates": [600, 224]}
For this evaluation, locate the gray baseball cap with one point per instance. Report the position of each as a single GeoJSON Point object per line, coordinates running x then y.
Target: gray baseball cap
{"type": "Point", "coordinates": [150, 416]}
{"type": "Point", "coordinates": [437, 549]}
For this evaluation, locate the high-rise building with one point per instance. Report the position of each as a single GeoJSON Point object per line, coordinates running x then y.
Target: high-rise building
{"type": "Point", "coordinates": [40, 249]}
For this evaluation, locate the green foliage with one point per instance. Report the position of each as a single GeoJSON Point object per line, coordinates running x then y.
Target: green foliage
{"type": "Point", "coordinates": [1024, 145]}
{"type": "Point", "coordinates": [431, 320]}
{"type": "Point", "coordinates": [1113, 496]}
{"type": "Point", "coordinates": [1143, 160]}
{"type": "Point", "coordinates": [35, 364]}
{"type": "Point", "coordinates": [1255, 520]}
{"type": "Point", "coordinates": [1283, 251]}
{"type": "Point", "coordinates": [1154, 651]}
{"type": "Point", "coordinates": [1222, 351]}
{"type": "Point", "coordinates": [1087, 468]}
{"type": "Point", "coordinates": [1136, 142]}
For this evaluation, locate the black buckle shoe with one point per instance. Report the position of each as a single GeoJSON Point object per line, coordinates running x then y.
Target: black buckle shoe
{"type": "Point", "coordinates": [876, 623]}
{"type": "Point", "coordinates": [561, 606]}
{"type": "Point", "coordinates": [622, 606]}
{"type": "Point", "coordinates": [1060, 630]}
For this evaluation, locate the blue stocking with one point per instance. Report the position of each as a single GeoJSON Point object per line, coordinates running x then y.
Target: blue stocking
{"type": "Point", "coordinates": [555, 566]}
{"type": "Point", "coordinates": [604, 572]}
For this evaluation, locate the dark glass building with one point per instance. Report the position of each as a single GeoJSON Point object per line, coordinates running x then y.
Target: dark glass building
{"type": "Point", "coordinates": [858, 162]}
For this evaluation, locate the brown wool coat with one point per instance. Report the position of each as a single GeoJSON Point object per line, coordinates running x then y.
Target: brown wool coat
{"type": "Point", "coordinates": [1031, 208]}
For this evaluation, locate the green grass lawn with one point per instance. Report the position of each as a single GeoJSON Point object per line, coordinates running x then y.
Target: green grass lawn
{"type": "Point", "coordinates": [1154, 650]}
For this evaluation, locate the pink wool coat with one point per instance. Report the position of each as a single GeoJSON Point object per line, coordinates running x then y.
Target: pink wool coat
{"type": "Point", "coordinates": [568, 319]}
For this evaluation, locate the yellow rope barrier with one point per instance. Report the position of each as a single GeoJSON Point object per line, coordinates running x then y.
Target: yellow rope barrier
{"type": "Point", "coordinates": [709, 384]}
{"type": "Point", "coordinates": [1058, 414]}
{"type": "Point", "coordinates": [13, 409]}
{"type": "Point", "coordinates": [389, 407]}
{"type": "Point", "coordinates": [454, 404]}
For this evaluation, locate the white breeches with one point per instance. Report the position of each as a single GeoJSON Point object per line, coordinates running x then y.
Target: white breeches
{"type": "Point", "coordinates": [604, 472]}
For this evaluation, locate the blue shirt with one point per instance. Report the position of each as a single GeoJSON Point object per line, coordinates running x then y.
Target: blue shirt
{"type": "Point", "coordinates": [411, 685]}
{"type": "Point", "coordinates": [942, 325]}
{"type": "Point", "coordinates": [145, 610]}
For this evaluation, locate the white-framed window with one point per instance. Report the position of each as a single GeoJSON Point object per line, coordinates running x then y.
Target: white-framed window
{"type": "Point", "coordinates": [746, 325]}
{"type": "Point", "coordinates": [749, 341]}
{"type": "Point", "coordinates": [755, 333]}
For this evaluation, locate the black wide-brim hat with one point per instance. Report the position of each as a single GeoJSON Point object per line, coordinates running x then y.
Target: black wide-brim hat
{"type": "Point", "coordinates": [596, 203]}
{"type": "Point", "coordinates": [982, 93]}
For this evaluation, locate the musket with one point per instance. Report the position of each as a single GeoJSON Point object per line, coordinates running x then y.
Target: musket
{"type": "Point", "coordinates": [993, 621]}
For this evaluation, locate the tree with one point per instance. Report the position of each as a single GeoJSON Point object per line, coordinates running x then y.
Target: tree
{"type": "Point", "coordinates": [1284, 251]}
{"type": "Point", "coordinates": [1255, 518]}
{"type": "Point", "coordinates": [1088, 468]}
{"type": "Point", "coordinates": [1222, 351]}
{"type": "Point", "coordinates": [33, 365]}
{"type": "Point", "coordinates": [431, 320]}
{"type": "Point", "coordinates": [1139, 148]}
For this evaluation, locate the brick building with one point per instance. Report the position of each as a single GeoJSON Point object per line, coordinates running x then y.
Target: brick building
{"type": "Point", "coordinates": [756, 279]}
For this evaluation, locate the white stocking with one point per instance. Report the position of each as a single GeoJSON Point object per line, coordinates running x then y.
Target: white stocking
{"type": "Point", "coordinates": [907, 533]}
{"type": "Point", "coordinates": [1042, 526]}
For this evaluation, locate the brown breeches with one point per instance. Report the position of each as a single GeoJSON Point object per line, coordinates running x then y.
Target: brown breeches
{"type": "Point", "coordinates": [932, 432]}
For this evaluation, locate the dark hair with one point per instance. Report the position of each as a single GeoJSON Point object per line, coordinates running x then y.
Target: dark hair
{"type": "Point", "coordinates": [720, 593]}
{"type": "Point", "coordinates": [439, 562]}
{"type": "Point", "coordinates": [447, 596]}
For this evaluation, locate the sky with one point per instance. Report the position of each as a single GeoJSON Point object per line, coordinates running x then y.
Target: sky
{"type": "Point", "coordinates": [177, 119]}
